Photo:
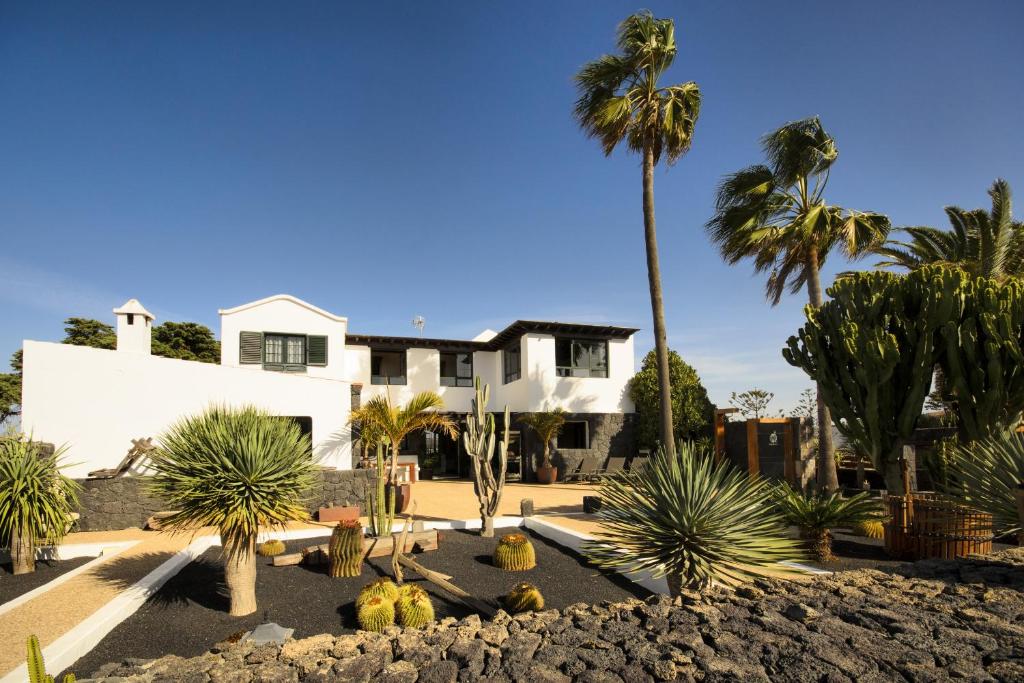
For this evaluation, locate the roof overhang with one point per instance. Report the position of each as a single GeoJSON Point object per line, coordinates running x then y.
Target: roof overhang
{"type": "Point", "coordinates": [284, 297]}
{"type": "Point", "coordinates": [498, 341]}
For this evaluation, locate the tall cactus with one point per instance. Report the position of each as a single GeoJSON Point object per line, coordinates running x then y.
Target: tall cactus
{"type": "Point", "coordinates": [382, 507]}
{"type": "Point", "coordinates": [872, 350]}
{"type": "Point", "coordinates": [479, 442]}
{"type": "Point", "coordinates": [37, 668]}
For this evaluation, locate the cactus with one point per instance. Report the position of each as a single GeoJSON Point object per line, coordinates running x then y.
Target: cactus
{"type": "Point", "coordinates": [874, 528]}
{"type": "Point", "coordinates": [37, 668]}
{"type": "Point", "coordinates": [345, 551]}
{"type": "Point", "coordinates": [381, 588]}
{"type": "Point", "coordinates": [376, 614]}
{"type": "Point", "coordinates": [413, 607]}
{"type": "Point", "coordinates": [514, 552]}
{"type": "Point", "coordinates": [524, 597]}
{"type": "Point", "coordinates": [478, 440]}
{"type": "Point", "coordinates": [271, 548]}
{"type": "Point", "coordinates": [382, 507]}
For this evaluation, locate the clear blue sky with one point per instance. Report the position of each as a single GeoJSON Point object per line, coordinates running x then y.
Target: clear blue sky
{"type": "Point", "coordinates": [383, 160]}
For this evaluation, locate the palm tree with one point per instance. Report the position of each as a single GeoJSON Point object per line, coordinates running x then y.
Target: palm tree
{"type": "Point", "coordinates": [36, 500]}
{"type": "Point", "coordinates": [776, 214]}
{"type": "Point", "coordinates": [815, 515]}
{"type": "Point", "coordinates": [620, 99]}
{"type": "Point", "coordinates": [237, 470]}
{"type": "Point", "coordinates": [989, 244]}
{"type": "Point", "coordinates": [547, 424]}
{"type": "Point", "coordinates": [390, 424]}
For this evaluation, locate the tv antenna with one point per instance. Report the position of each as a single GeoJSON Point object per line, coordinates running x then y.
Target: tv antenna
{"type": "Point", "coordinates": [419, 322]}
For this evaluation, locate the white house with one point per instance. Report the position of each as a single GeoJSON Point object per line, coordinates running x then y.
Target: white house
{"type": "Point", "coordinates": [295, 359]}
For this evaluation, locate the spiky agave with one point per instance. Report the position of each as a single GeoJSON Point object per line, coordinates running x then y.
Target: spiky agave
{"type": "Point", "coordinates": [237, 469]}
{"type": "Point", "coordinates": [383, 588]}
{"type": "Point", "coordinates": [692, 521]}
{"type": "Point", "coordinates": [984, 476]}
{"type": "Point", "coordinates": [524, 597]}
{"type": "Point", "coordinates": [515, 553]}
{"type": "Point", "coordinates": [815, 514]}
{"type": "Point", "coordinates": [413, 607]}
{"type": "Point", "coordinates": [376, 614]}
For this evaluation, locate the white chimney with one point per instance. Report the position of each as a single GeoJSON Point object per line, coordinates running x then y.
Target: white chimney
{"type": "Point", "coordinates": [134, 328]}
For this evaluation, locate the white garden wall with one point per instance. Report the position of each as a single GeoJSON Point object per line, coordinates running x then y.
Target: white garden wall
{"type": "Point", "coordinates": [96, 401]}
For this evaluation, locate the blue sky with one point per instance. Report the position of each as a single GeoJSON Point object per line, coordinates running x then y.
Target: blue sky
{"type": "Point", "coordinates": [384, 160]}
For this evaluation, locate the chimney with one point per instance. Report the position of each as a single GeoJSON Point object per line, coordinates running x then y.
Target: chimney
{"type": "Point", "coordinates": [134, 328]}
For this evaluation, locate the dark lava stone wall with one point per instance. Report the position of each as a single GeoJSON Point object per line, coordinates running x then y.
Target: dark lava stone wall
{"type": "Point", "coordinates": [122, 502]}
{"type": "Point", "coordinates": [611, 434]}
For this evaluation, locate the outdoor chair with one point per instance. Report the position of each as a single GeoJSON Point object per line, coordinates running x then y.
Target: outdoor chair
{"type": "Point", "coordinates": [615, 464]}
{"type": "Point", "coordinates": [140, 448]}
{"type": "Point", "coordinates": [638, 464]}
{"type": "Point", "coordinates": [586, 470]}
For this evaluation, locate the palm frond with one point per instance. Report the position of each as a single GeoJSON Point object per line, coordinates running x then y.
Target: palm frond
{"type": "Point", "coordinates": [799, 149]}
{"type": "Point", "coordinates": [36, 499]}
{"type": "Point", "coordinates": [984, 475]}
{"type": "Point", "coordinates": [822, 511]}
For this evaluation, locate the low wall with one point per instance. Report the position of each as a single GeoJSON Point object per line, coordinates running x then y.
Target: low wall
{"type": "Point", "coordinates": [122, 502]}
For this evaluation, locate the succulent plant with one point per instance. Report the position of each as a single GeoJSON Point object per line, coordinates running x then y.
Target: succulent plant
{"type": "Point", "coordinates": [691, 520]}
{"type": "Point", "coordinates": [345, 551]}
{"type": "Point", "coordinates": [37, 668]}
{"type": "Point", "coordinates": [515, 553]}
{"type": "Point", "coordinates": [985, 476]}
{"type": "Point", "coordinates": [376, 614]}
{"type": "Point", "coordinates": [270, 548]}
{"type": "Point", "coordinates": [524, 597]}
{"type": "Point", "coordinates": [871, 528]}
{"type": "Point", "coordinates": [383, 588]}
{"type": "Point", "coordinates": [413, 606]}
{"type": "Point", "coordinates": [815, 514]}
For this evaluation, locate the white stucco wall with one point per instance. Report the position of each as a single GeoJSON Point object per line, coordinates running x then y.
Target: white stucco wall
{"type": "Point", "coordinates": [546, 390]}
{"type": "Point", "coordinates": [287, 315]}
{"type": "Point", "coordinates": [96, 401]}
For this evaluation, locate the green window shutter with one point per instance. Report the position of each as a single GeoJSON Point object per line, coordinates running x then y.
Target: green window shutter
{"type": "Point", "coordinates": [316, 350]}
{"type": "Point", "coordinates": [250, 348]}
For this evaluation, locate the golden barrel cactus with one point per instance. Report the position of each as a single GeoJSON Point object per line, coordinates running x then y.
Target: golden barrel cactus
{"type": "Point", "coordinates": [376, 614]}
{"type": "Point", "coordinates": [514, 553]}
{"type": "Point", "coordinates": [525, 597]}
{"type": "Point", "coordinates": [345, 551]}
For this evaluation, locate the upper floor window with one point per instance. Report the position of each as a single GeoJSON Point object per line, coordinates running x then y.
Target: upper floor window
{"type": "Point", "coordinates": [284, 349]}
{"type": "Point", "coordinates": [456, 369]}
{"type": "Point", "coordinates": [280, 351]}
{"type": "Point", "coordinates": [387, 367]}
{"type": "Point", "coordinates": [581, 357]}
{"type": "Point", "coordinates": [511, 359]}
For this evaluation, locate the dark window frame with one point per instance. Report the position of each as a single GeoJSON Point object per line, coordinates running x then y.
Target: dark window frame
{"type": "Point", "coordinates": [517, 374]}
{"type": "Point", "coordinates": [457, 380]}
{"type": "Point", "coordinates": [589, 371]}
{"type": "Point", "coordinates": [563, 431]}
{"type": "Point", "coordinates": [391, 380]}
{"type": "Point", "coordinates": [283, 365]}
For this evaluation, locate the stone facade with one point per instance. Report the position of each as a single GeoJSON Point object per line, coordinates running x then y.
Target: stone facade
{"type": "Point", "coordinates": [122, 502]}
{"type": "Point", "coordinates": [611, 434]}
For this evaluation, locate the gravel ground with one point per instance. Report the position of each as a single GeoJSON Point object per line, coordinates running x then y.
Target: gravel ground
{"type": "Point", "coordinates": [12, 586]}
{"type": "Point", "coordinates": [189, 614]}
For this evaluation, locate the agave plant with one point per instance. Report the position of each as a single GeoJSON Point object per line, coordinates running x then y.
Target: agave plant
{"type": "Point", "coordinates": [984, 476]}
{"type": "Point", "coordinates": [691, 520]}
{"type": "Point", "coordinates": [817, 513]}
{"type": "Point", "coordinates": [237, 469]}
{"type": "Point", "coordinates": [36, 500]}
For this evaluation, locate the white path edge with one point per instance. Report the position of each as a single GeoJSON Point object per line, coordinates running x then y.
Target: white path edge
{"type": "Point", "coordinates": [77, 642]}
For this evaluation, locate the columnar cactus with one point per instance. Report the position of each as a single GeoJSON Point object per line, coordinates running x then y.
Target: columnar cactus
{"type": "Point", "coordinates": [413, 607]}
{"type": "Point", "coordinates": [376, 614]}
{"type": "Point", "coordinates": [514, 552]}
{"type": "Point", "coordinates": [479, 442]}
{"type": "Point", "coordinates": [524, 597]}
{"type": "Point", "coordinates": [36, 666]}
{"type": "Point", "coordinates": [381, 588]}
{"type": "Point", "coordinates": [345, 551]}
{"type": "Point", "coordinates": [382, 506]}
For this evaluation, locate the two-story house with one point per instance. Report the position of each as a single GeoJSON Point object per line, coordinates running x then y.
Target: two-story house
{"type": "Point", "coordinates": [298, 360]}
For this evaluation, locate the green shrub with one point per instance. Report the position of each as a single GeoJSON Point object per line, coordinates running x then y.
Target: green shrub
{"type": "Point", "coordinates": [984, 476]}
{"type": "Point", "coordinates": [816, 514]}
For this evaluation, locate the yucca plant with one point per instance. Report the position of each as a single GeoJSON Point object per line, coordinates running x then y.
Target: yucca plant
{"type": "Point", "coordinates": [236, 469]}
{"type": "Point", "coordinates": [691, 520]}
{"type": "Point", "coordinates": [984, 476]}
{"type": "Point", "coordinates": [36, 500]}
{"type": "Point", "coordinates": [817, 513]}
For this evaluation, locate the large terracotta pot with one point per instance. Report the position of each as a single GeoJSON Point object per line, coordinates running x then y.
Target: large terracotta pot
{"type": "Point", "coordinates": [403, 496]}
{"type": "Point", "coordinates": [547, 474]}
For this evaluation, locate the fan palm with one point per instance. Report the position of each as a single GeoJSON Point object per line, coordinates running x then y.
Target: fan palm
{"type": "Point", "coordinates": [988, 244]}
{"type": "Point", "coordinates": [816, 514]}
{"type": "Point", "coordinates": [382, 422]}
{"type": "Point", "coordinates": [620, 100]}
{"type": "Point", "coordinates": [36, 500]}
{"type": "Point", "coordinates": [691, 520]}
{"type": "Point", "coordinates": [547, 424]}
{"type": "Point", "coordinates": [776, 214]}
{"type": "Point", "coordinates": [237, 469]}
{"type": "Point", "coordinates": [985, 474]}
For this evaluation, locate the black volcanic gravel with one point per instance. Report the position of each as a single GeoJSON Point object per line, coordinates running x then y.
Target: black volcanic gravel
{"type": "Point", "coordinates": [189, 614]}
{"type": "Point", "coordinates": [12, 586]}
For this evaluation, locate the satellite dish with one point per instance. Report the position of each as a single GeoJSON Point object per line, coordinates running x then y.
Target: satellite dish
{"type": "Point", "coordinates": [419, 322]}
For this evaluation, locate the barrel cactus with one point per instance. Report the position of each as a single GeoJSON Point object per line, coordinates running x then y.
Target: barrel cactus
{"type": "Point", "coordinates": [514, 553]}
{"type": "Point", "coordinates": [376, 614]}
{"type": "Point", "coordinates": [413, 607]}
{"type": "Point", "coordinates": [872, 528]}
{"type": "Point", "coordinates": [524, 597]}
{"type": "Point", "coordinates": [345, 550]}
{"type": "Point", "coordinates": [271, 548]}
{"type": "Point", "coordinates": [383, 588]}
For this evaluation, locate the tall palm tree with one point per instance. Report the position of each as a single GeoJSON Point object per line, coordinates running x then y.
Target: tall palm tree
{"type": "Point", "coordinates": [987, 244]}
{"type": "Point", "coordinates": [620, 99]}
{"type": "Point", "coordinates": [775, 213]}
{"type": "Point", "coordinates": [390, 424]}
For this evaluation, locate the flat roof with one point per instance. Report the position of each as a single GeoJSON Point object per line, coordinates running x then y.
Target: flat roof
{"type": "Point", "coordinates": [499, 341]}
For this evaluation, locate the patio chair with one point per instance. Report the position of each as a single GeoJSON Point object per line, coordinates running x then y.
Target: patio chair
{"type": "Point", "coordinates": [638, 464]}
{"type": "Point", "coordinates": [587, 468]}
{"type": "Point", "coordinates": [615, 464]}
{"type": "Point", "coordinates": [140, 448]}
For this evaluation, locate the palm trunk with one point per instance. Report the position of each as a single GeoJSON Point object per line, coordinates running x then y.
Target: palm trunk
{"type": "Point", "coordinates": [657, 305]}
{"type": "Point", "coordinates": [393, 469]}
{"type": "Point", "coordinates": [240, 574]}
{"type": "Point", "coordinates": [828, 477]}
{"type": "Point", "coordinates": [23, 552]}
{"type": "Point", "coordinates": [819, 543]}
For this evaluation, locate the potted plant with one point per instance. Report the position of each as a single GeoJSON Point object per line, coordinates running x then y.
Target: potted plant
{"type": "Point", "coordinates": [427, 466]}
{"type": "Point", "coordinates": [547, 425]}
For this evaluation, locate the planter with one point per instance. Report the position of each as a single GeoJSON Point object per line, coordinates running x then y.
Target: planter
{"type": "Point", "coordinates": [591, 504]}
{"type": "Point", "coordinates": [403, 496]}
{"type": "Point", "coordinates": [427, 473]}
{"type": "Point", "coordinates": [338, 513]}
{"type": "Point", "coordinates": [927, 525]}
{"type": "Point", "coordinates": [547, 474]}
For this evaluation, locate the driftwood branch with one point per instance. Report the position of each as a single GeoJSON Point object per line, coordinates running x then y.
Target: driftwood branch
{"type": "Point", "coordinates": [482, 606]}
